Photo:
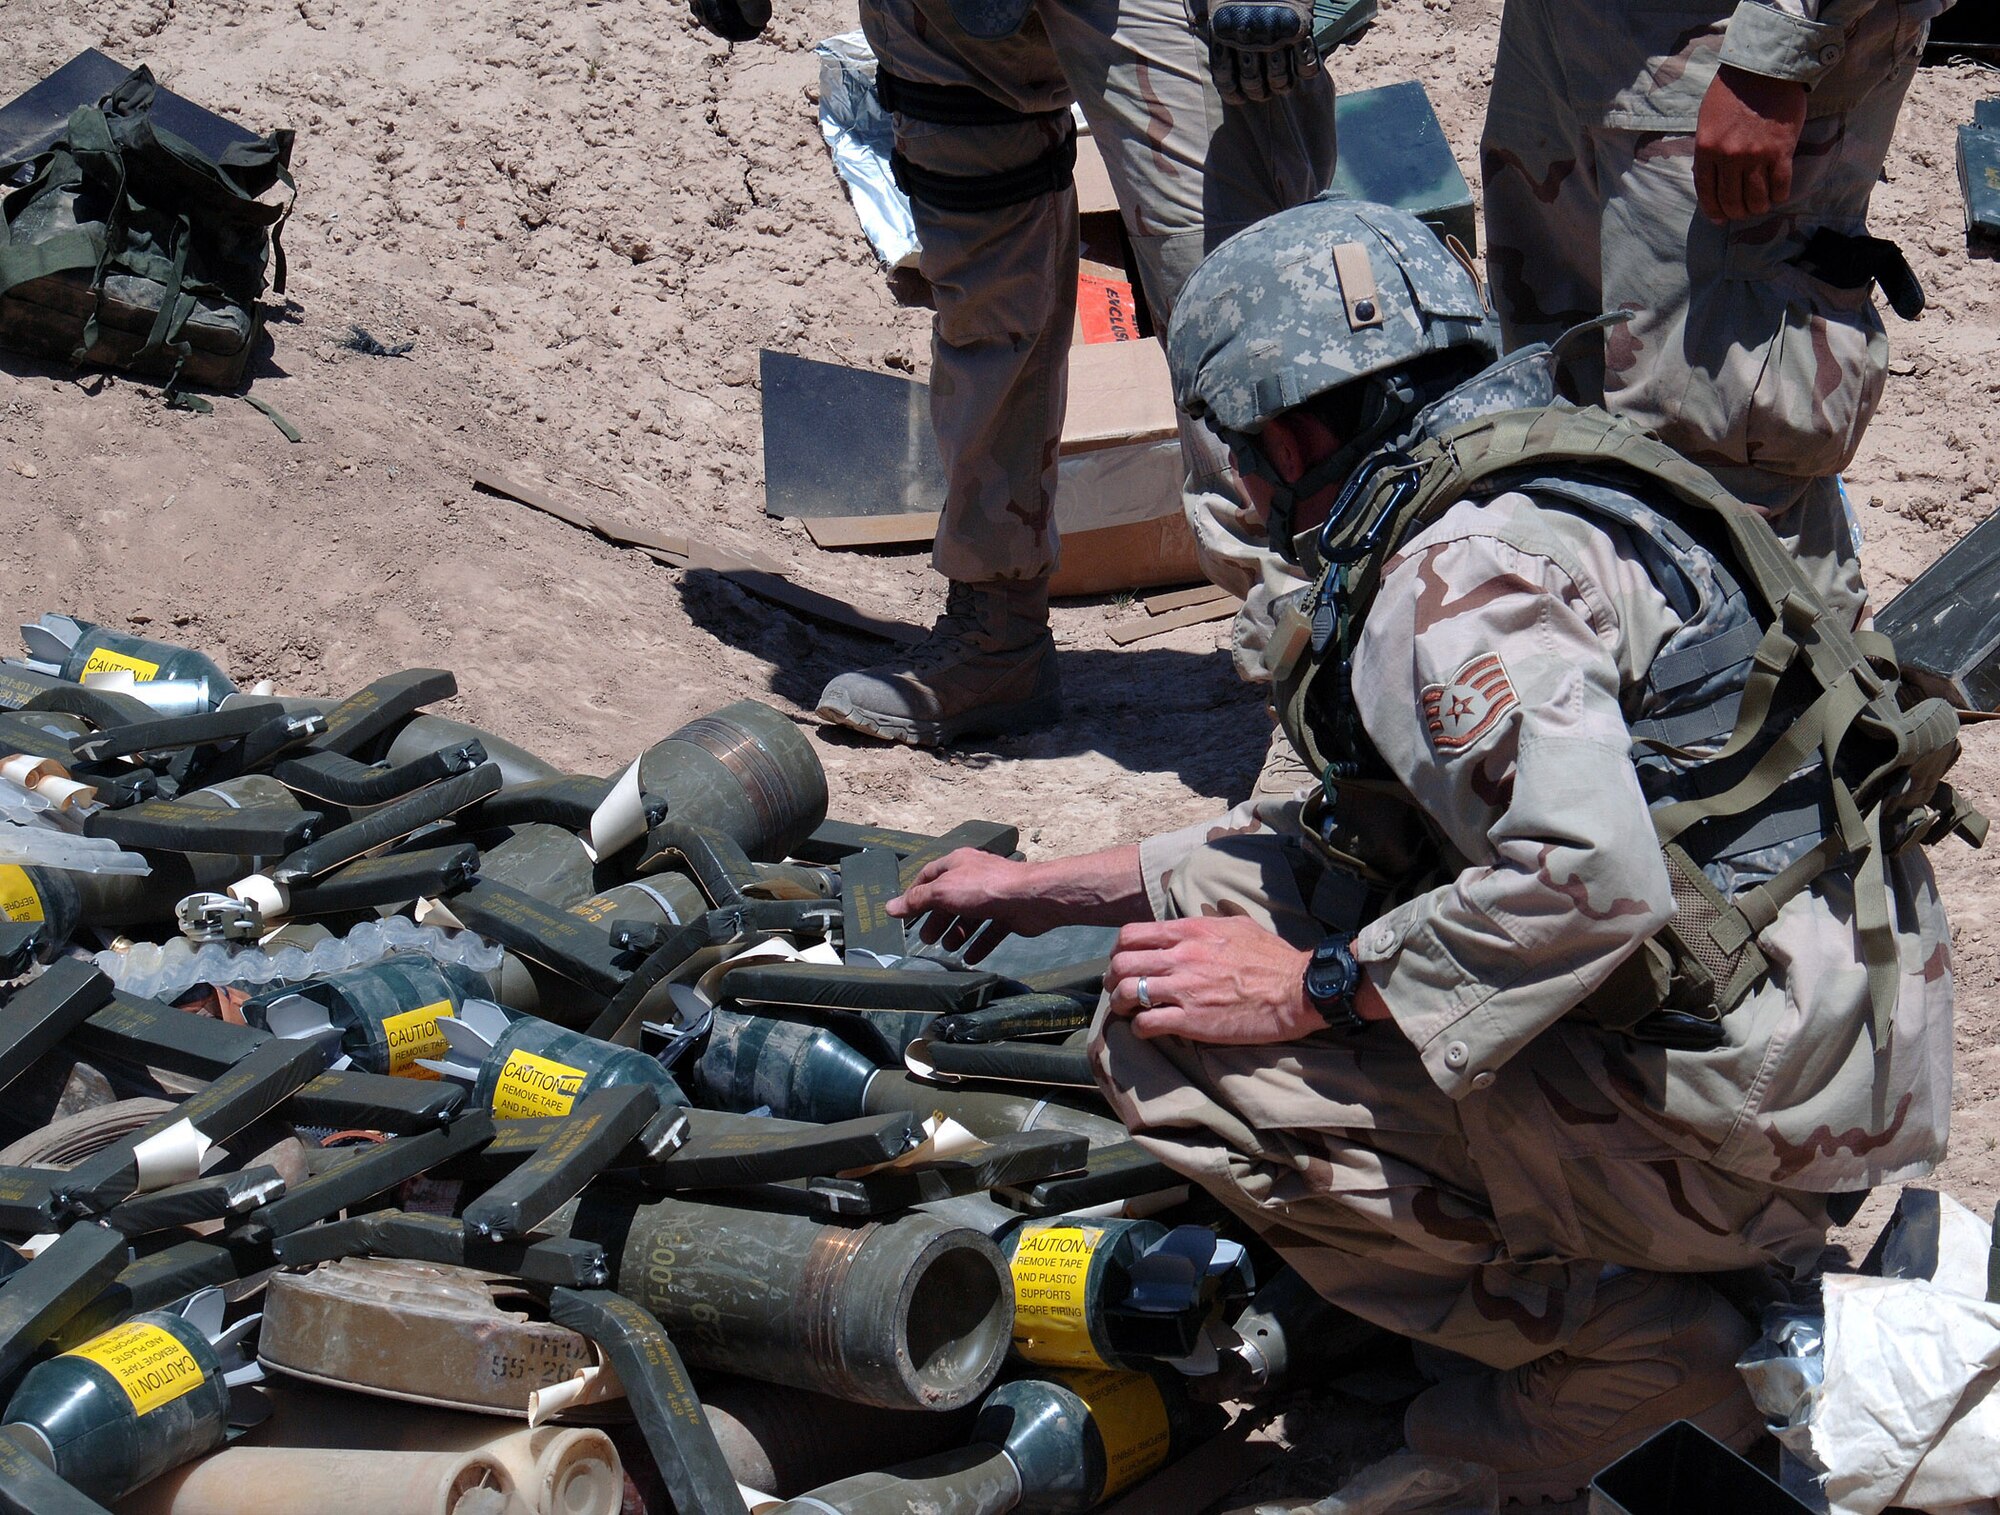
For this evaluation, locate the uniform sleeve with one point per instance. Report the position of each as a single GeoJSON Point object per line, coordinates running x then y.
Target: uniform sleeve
{"type": "Point", "coordinates": [1165, 853]}
{"type": "Point", "coordinates": [1799, 40]}
{"type": "Point", "coordinates": [1486, 679]}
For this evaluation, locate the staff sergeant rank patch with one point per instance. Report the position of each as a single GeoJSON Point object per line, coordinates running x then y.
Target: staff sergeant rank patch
{"type": "Point", "coordinates": [1459, 713]}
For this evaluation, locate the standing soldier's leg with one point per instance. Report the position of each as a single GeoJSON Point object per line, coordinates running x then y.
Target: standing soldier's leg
{"type": "Point", "coordinates": [984, 148]}
{"type": "Point", "coordinates": [1540, 189]}
{"type": "Point", "coordinates": [1738, 356]}
{"type": "Point", "coordinates": [1190, 172]}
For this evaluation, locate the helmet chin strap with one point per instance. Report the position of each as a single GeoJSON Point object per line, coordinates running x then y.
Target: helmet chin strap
{"type": "Point", "coordinates": [1390, 401]}
{"type": "Point", "coordinates": [1387, 401]}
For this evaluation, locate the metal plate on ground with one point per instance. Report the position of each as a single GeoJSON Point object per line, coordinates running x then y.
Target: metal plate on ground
{"type": "Point", "coordinates": [32, 121]}
{"type": "Point", "coordinates": [844, 441]}
{"type": "Point", "coordinates": [1946, 625]}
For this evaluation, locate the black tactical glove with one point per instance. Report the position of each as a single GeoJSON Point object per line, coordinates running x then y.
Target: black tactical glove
{"type": "Point", "coordinates": [732, 20]}
{"type": "Point", "coordinates": [1257, 49]}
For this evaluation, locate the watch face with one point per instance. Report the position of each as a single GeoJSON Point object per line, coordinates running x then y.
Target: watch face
{"type": "Point", "coordinates": [1332, 973]}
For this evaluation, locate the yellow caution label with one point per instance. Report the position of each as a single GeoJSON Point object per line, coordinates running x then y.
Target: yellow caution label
{"type": "Point", "coordinates": [105, 661]}
{"type": "Point", "coordinates": [415, 1034]}
{"type": "Point", "coordinates": [1051, 1267]}
{"type": "Point", "coordinates": [529, 1086]}
{"type": "Point", "coordinates": [1131, 1420]}
{"type": "Point", "coordinates": [18, 900]}
{"type": "Point", "coordinates": [149, 1363]}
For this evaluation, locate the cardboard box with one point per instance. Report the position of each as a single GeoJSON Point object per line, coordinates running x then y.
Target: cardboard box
{"type": "Point", "coordinates": [1119, 472]}
{"type": "Point", "coordinates": [1101, 230]}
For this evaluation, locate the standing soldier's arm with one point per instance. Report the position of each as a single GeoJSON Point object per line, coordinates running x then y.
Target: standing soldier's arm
{"type": "Point", "coordinates": [1486, 679]}
{"type": "Point", "coordinates": [1772, 53]}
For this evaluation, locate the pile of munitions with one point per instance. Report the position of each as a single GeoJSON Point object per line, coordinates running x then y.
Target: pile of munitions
{"type": "Point", "coordinates": [401, 1124]}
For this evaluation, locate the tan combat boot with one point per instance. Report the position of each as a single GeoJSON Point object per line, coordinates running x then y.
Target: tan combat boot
{"type": "Point", "coordinates": [987, 668]}
{"type": "Point", "coordinates": [1657, 1348]}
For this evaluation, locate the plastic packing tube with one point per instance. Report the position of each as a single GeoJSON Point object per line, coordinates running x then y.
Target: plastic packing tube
{"type": "Point", "coordinates": [45, 847]}
{"type": "Point", "coordinates": [19, 799]}
{"type": "Point", "coordinates": [150, 970]}
{"type": "Point", "coordinates": [25, 768]}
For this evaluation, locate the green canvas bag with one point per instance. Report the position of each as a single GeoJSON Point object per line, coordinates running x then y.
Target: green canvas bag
{"type": "Point", "coordinates": [131, 249]}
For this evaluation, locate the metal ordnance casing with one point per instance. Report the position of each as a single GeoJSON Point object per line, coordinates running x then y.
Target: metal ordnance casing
{"type": "Point", "coordinates": [537, 1068]}
{"type": "Point", "coordinates": [909, 1313]}
{"type": "Point", "coordinates": [427, 1332]}
{"type": "Point", "coordinates": [746, 771]}
{"type": "Point", "coordinates": [1065, 1272]}
{"type": "Point", "coordinates": [110, 899]}
{"type": "Point", "coordinates": [1057, 1444]}
{"type": "Point", "coordinates": [387, 1012]}
{"type": "Point", "coordinates": [785, 1441]}
{"type": "Point", "coordinates": [101, 650]}
{"type": "Point", "coordinates": [806, 1072]}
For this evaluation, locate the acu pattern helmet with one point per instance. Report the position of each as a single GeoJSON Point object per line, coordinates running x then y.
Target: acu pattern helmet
{"type": "Point", "coordinates": [1332, 293]}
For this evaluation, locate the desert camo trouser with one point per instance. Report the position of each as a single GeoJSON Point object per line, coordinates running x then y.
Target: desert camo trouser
{"type": "Point", "coordinates": [1187, 171]}
{"type": "Point", "coordinates": [1481, 1225]}
{"type": "Point", "coordinates": [1734, 355]}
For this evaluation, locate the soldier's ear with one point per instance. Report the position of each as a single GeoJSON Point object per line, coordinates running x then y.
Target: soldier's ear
{"type": "Point", "coordinates": [1282, 444]}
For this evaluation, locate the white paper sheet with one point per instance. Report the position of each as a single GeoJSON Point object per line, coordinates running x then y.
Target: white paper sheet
{"type": "Point", "coordinates": [620, 819]}
{"type": "Point", "coordinates": [1907, 1416]}
{"type": "Point", "coordinates": [172, 1156]}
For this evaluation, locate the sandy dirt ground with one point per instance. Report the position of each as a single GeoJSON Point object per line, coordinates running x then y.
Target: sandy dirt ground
{"type": "Point", "coordinates": [588, 219]}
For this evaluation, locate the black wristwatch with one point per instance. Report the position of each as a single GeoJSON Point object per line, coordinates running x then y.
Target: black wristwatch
{"type": "Point", "coordinates": [1332, 976]}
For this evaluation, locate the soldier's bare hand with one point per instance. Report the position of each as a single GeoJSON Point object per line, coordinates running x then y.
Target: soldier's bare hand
{"type": "Point", "coordinates": [963, 890]}
{"type": "Point", "coordinates": [1744, 142]}
{"type": "Point", "coordinates": [1213, 979]}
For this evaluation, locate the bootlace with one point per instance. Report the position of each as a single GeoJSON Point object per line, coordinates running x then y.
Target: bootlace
{"type": "Point", "coordinates": [949, 633]}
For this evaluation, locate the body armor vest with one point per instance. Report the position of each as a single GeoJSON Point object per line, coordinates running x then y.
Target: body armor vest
{"type": "Point", "coordinates": [1770, 741]}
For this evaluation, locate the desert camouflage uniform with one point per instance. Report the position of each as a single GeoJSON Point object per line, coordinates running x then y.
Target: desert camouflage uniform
{"type": "Point", "coordinates": [1734, 356]}
{"type": "Point", "coordinates": [1188, 172]}
{"type": "Point", "coordinates": [1463, 1174]}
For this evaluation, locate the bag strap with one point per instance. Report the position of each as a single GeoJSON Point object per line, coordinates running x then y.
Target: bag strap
{"type": "Point", "coordinates": [64, 253]}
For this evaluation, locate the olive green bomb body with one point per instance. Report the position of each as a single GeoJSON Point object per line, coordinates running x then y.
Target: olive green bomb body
{"type": "Point", "coordinates": [746, 771]}
{"type": "Point", "coordinates": [126, 1405]}
{"type": "Point", "coordinates": [904, 1313]}
{"type": "Point", "coordinates": [537, 1068]}
{"type": "Point", "coordinates": [69, 898]}
{"type": "Point", "coordinates": [387, 1012]}
{"type": "Point", "coordinates": [1057, 1444]}
{"type": "Point", "coordinates": [803, 1072]}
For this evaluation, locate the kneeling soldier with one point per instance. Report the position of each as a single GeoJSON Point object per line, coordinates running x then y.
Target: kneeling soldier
{"type": "Point", "coordinates": [1601, 955]}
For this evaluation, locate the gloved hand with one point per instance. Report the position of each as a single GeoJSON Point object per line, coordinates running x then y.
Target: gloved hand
{"type": "Point", "coordinates": [732, 20]}
{"type": "Point", "coordinates": [1257, 49]}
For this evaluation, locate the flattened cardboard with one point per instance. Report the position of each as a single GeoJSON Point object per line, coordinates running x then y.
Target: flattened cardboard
{"type": "Point", "coordinates": [1137, 555]}
{"type": "Point", "coordinates": [1119, 393]}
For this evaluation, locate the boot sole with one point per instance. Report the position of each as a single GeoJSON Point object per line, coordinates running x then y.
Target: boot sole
{"type": "Point", "coordinates": [987, 720]}
{"type": "Point", "coordinates": [1735, 1422]}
